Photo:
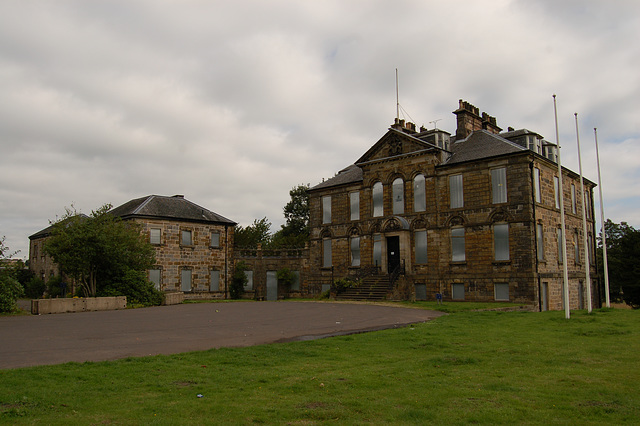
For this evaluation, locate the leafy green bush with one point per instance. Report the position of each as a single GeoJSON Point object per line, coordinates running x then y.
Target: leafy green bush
{"type": "Point", "coordinates": [53, 287]}
{"type": "Point", "coordinates": [34, 288]}
{"type": "Point", "coordinates": [238, 280]}
{"type": "Point", "coordinates": [10, 291]}
{"type": "Point", "coordinates": [344, 283]}
{"type": "Point", "coordinates": [136, 286]}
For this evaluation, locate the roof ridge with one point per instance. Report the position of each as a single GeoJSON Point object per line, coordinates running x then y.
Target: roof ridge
{"type": "Point", "coordinates": [141, 206]}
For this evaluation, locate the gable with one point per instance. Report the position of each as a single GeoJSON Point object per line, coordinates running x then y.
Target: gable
{"type": "Point", "coordinates": [392, 144]}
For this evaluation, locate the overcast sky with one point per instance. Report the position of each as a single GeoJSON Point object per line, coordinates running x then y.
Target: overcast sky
{"type": "Point", "coordinates": [233, 103]}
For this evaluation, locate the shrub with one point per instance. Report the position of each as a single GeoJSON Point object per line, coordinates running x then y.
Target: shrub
{"type": "Point", "coordinates": [53, 286]}
{"type": "Point", "coordinates": [135, 285]}
{"type": "Point", "coordinates": [34, 288]}
{"type": "Point", "coordinates": [344, 283]}
{"type": "Point", "coordinates": [10, 291]}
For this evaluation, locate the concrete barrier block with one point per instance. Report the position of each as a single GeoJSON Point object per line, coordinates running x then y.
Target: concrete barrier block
{"type": "Point", "coordinates": [173, 298]}
{"type": "Point", "coordinates": [82, 304]}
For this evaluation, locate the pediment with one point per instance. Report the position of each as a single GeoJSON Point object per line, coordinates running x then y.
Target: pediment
{"type": "Point", "coordinates": [393, 144]}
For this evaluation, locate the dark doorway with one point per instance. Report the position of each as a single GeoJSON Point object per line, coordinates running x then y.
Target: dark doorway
{"type": "Point", "coordinates": [393, 253]}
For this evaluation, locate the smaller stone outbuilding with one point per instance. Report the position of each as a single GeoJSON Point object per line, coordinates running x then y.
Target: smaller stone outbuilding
{"type": "Point", "coordinates": [194, 246]}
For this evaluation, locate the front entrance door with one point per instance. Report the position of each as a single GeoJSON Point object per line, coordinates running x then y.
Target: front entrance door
{"type": "Point", "coordinates": [393, 253]}
{"type": "Point", "coordinates": [272, 286]}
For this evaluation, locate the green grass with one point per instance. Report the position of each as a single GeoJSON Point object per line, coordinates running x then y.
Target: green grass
{"type": "Point", "coordinates": [469, 367]}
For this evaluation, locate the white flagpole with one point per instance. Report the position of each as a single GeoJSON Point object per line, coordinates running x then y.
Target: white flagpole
{"type": "Point", "coordinates": [604, 234]}
{"type": "Point", "coordinates": [565, 270]}
{"type": "Point", "coordinates": [587, 263]}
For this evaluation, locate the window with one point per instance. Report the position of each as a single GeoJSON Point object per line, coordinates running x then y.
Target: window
{"type": "Point", "coordinates": [556, 191]}
{"type": "Point", "coordinates": [355, 251]}
{"type": "Point", "coordinates": [377, 195]}
{"type": "Point", "coordinates": [185, 280]}
{"type": "Point", "coordinates": [215, 239]}
{"type": "Point", "coordinates": [326, 252]}
{"type": "Point", "coordinates": [214, 280]}
{"type": "Point", "coordinates": [560, 245]}
{"type": "Point", "coordinates": [326, 209]}
{"type": "Point", "coordinates": [377, 250]}
{"type": "Point", "coordinates": [501, 241]}
{"type": "Point", "coordinates": [573, 199]}
{"type": "Point", "coordinates": [499, 185]}
{"type": "Point", "coordinates": [457, 291]}
{"type": "Point", "coordinates": [590, 248]}
{"type": "Point", "coordinates": [576, 244]}
{"type": "Point", "coordinates": [501, 291]}
{"type": "Point", "coordinates": [354, 201]}
{"type": "Point", "coordinates": [155, 276]}
{"type": "Point", "coordinates": [457, 245]}
{"type": "Point", "coordinates": [398, 196]}
{"type": "Point", "coordinates": [421, 246]}
{"type": "Point", "coordinates": [455, 191]}
{"type": "Point", "coordinates": [587, 204]}
{"type": "Point", "coordinates": [249, 285]}
{"type": "Point", "coordinates": [154, 235]}
{"type": "Point", "coordinates": [295, 285]}
{"type": "Point", "coordinates": [419, 194]}
{"type": "Point", "coordinates": [536, 185]}
{"type": "Point", "coordinates": [186, 238]}
{"type": "Point", "coordinates": [540, 241]}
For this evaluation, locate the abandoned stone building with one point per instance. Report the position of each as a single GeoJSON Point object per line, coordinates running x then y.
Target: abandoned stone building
{"type": "Point", "coordinates": [423, 214]}
{"type": "Point", "coordinates": [194, 246]}
{"type": "Point", "coordinates": [471, 216]}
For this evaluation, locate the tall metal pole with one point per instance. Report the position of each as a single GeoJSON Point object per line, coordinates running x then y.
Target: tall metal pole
{"type": "Point", "coordinates": [587, 262]}
{"type": "Point", "coordinates": [565, 270]}
{"type": "Point", "coordinates": [604, 234]}
{"type": "Point", "coordinates": [397, 98]}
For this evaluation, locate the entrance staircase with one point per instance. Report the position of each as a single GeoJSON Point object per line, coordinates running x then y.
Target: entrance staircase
{"type": "Point", "coordinates": [372, 288]}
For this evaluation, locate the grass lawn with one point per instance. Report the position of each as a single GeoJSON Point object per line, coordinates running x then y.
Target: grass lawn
{"type": "Point", "coordinates": [467, 367]}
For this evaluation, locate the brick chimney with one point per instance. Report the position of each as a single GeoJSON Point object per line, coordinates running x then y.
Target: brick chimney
{"type": "Point", "coordinates": [468, 118]}
{"type": "Point", "coordinates": [489, 124]}
{"type": "Point", "coordinates": [408, 127]}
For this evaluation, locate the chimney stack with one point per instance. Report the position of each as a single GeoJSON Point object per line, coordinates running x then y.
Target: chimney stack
{"type": "Point", "coordinates": [469, 121]}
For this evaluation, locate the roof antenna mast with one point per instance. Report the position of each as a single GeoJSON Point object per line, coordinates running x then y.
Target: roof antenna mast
{"type": "Point", "coordinates": [397, 98]}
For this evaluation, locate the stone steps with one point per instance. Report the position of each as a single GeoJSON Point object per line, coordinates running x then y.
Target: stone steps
{"type": "Point", "coordinates": [373, 288]}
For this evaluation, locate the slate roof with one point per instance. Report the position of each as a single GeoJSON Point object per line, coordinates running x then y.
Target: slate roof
{"type": "Point", "coordinates": [172, 208]}
{"type": "Point", "coordinates": [47, 231]}
{"type": "Point", "coordinates": [481, 144]}
{"type": "Point", "coordinates": [351, 174]}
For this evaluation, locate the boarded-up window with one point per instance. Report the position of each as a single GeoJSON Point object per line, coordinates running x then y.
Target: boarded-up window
{"type": "Point", "coordinates": [355, 251]}
{"type": "Point", "coordinates": [560, 245]}
{"type": "Point", "coordinates": [457, 245]}
{"type": "Point", "coordinates": [398, 196]}
{"type": "Point", "coordinates": [536, 185]}
{"type": "Point", "coordinates": [214, 280]}
{"type": "Point", "coordinates": [419, 194]}
{"type": "Point", "coordinates": [556, 191]}
{"type": "Point", "coordinates": [456, 191]}
{"type": "Point", "coordinates": [499, 185]}
{"type": "Point", "coordinates": [457, 291]}
{"type": "Point", "coordinates": [185, 280]}
{"type": "Point", "coordinates": [154, 235]}
{"type": "Point", "coordinates": [155, 276]}
{"type": "Point", "coordinates": [501, 291]}
{"type": "Point", "coordinates": [326, 253]}
{"type": "Point", "coordinates": [501, 241]}
{"type": "Point", "coordinates": [354, 199]}
{"type": "Point", "coordinates": [377, 250]}
{"type": "Point", "coordinates": [295, 285]}
{"type": "Point", "coordinates": [249, 285]}
{"type": "Point", "coordinates": [540, 241]}
{"type": "Point", "coordinates": [186, 239]}
{"type": "Point", "coordinates": [378, 199]}
{"type": "Point", "coordinates": [326, 209]}
{"type": "Point", "coordinates": [421, 246]}
{"type": "Point", "coordinates": [215, 239]}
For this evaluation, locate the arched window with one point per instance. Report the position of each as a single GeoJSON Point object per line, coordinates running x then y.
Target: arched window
{"type": "Point", "coordinates": [419, 194]}
{"type": "Point", "coordinates": [398, 196]}
{"type": "Point", "coordinates": [378, 209]}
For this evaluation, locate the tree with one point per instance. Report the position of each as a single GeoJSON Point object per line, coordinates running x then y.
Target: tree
{"type": "Point", "coordinates": [623, 255]}
{"type": "Point", "coordinates": [252, 235]}
{"type": "Point", "coordinates": [104, 254]}
{"type": "Point", "coordinates": [238, 280]}
{"type": "Point", "coordinates": [295, 231]}
{"type": "Point", "coordinates": [10, 288]}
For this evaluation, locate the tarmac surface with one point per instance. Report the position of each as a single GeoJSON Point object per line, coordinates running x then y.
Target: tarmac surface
{"type": "Point", "coordinates": [108, 335]}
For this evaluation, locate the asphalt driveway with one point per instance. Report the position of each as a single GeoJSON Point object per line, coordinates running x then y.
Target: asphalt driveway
{"type": "Point", "coordinates": [108, 335]}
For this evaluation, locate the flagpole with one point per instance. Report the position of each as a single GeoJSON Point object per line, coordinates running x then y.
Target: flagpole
{"type": "Point", "coordinates": [587, 262]}
{"type": "Point", "coordinates": [565, 270]}
{"type": "Point", "coordinates": [604, 234]}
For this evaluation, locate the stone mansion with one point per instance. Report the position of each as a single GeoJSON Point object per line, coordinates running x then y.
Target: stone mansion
{"type": "Point", "coordinates": [472, 216]}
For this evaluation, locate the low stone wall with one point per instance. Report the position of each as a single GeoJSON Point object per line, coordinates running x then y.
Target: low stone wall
{"type": "Point", "coordinates": [173, 298]}
{"type": "Point", "coordinates": [59, 306]}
